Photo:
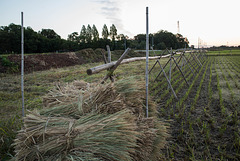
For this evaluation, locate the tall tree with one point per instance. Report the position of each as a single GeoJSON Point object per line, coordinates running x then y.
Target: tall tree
{"type": "Point", "coordinates": [89, 34]}
{"type": "Point", "coordinates": [182, 41]}
{"type": "Point", "coordinates": [113, 32]}
{"type": "Point", "coordinates": [105, 32]}
{"type": "Point", "coordinates": [121, 37]}
{"type": "Point", "coordinates": [95, 33]}
{"type": "Point", "coordinates": [50, 34]}
{"type": "Point", "coordinates": [10, 38]}
{"type": "Point", "coordinates": [164, 39]}
{"type": "Point", "coordinates": [83, 34]}
{"type": "Point", "coordinates": [73, 37]}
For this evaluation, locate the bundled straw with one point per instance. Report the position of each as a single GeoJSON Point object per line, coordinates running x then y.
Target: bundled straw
{"type": "Point", "coordinates": [65, 94]}
{"type": "Point", "coordinates": [81, 121]}
{"type": "Point", "coordinates": [72, 101]}
{"type": "Point", "coordinates": [94, 136]}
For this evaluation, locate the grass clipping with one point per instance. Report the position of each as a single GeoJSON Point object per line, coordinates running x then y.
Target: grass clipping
{"type": "Point", "coordinates": [82, 121]}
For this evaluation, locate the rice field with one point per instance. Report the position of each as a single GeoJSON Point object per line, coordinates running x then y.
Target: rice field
{"type": "Point", "coordinates": [204, 120]}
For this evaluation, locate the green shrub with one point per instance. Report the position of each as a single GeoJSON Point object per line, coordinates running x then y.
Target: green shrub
{"type": "Point", "coordinates": [11, 66]}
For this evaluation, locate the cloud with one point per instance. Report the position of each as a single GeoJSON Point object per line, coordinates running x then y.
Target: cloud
{"type": "Point", "coordinates": [112, 11]}
{"type": "Point", "coordinates": [108, 2]}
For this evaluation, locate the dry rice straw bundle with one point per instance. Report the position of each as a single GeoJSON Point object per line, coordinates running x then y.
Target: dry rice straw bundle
{"type": "Point", "coordinates": [92, 137]}
{"type": "Point", "coordinates": [92, 122]}
{"type": "Point", "coordinates": [80, 97]}
{"type": "Point", "coordinates": [73, 102]}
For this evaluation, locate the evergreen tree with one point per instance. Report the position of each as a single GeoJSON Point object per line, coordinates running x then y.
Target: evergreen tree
{"type": "Point", "coordinates": [73, 37]}
{"type": "Point", "coordinates": [113, 32]}
{"type": "Point", "coordinates": [105, 32]}
{"type": "Point", "coordinates": [50, 33]}
{"type": "Point", "coordinates": [83, 34]}
{"type": "Point", "coordinates": [95, 33]}
{"type": "Point", "coordinates": [89, 34]}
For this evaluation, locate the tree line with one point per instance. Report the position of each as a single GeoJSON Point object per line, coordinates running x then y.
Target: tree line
{"type": "Point", "coordinates": [47, 40]}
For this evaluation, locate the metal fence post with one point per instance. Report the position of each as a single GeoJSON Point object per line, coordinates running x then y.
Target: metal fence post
{"type": "Point", "coordinates": [22, 64]}
{"type": "Point", "coordinates": [147, 54]}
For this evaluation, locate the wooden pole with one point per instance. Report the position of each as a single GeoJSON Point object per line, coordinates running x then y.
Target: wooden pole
{"type": "Point", "coordinates": [102, 67]}
{"type": "Point", "coordinates": [120, 59]}
{"type": "Point", "coordinates": [109, 54]}
{"type": "Point", "coordinates": [167, 80]}
{"type": "Point", "coordinates": [104, 57]}
{"type": "Point", "coordinates": [156, 61]}
{"type": "Point", "coordinates": [170, 67]}
{"type": "Point", "coordinates": [111, 70]}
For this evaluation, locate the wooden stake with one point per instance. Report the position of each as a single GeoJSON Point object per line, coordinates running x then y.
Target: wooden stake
{"type": "Point", "coordinates": [111, 70]}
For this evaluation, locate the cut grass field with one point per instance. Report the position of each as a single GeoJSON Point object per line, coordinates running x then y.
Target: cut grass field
{"type": "Point", "coordinates": [204, 121]}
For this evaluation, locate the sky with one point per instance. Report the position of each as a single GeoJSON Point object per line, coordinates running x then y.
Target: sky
{"type": "Point", "coordinates": [209, 22]}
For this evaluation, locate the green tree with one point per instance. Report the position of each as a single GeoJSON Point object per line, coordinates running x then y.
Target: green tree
{"type": "Point", "coordinates": [73, 37]}
{"type": "Point", "coordinates": [50, 34]}
{"type": "Point", "coordinates": [89, 34]}
{"type": "Point", "coordinates": [139, 42]}
{"type": "Point", "coordinates": [140, 37]}
{"type": "Point", "coordinates": [182, 41]}
{"type": "Point", "coordinates": [32, 41]}
{"type": "Point", "coordinates": [113, 32]}
{"type": "Point", "coordinates": [121, 37]}
{"type": "Point", "coordinates": [105, 32]}
{"type": "Point", "coordinates": [83, 34]}
{"type": "Point", "coordinates": [95, 33]}
{"type": "Point", "coordinates": [10, 38]}
{"type": "Point", "coordinates": [121, 42]}
{"type": "Point", "coordinates": [164, 37]}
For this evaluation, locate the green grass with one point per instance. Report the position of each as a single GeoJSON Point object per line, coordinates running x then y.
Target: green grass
{"type": "Point", "coordinates": [225, 52]}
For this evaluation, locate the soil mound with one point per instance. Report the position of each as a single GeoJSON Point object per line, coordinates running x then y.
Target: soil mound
{"type": "Point", "coordinates": [41, 62]}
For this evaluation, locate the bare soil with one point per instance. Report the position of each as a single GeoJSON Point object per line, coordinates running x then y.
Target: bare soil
{"type": "Point", "coordinates": [40, 62]}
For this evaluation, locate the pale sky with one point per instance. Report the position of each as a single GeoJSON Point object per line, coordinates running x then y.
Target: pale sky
{"type": "Point", "coordinates": [215, 22]}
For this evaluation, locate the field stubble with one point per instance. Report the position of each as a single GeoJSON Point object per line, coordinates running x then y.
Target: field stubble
{"type": "Point", "coordinates": [205, 120]}
{"type": "Point", "coordinates": [37, 85]}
